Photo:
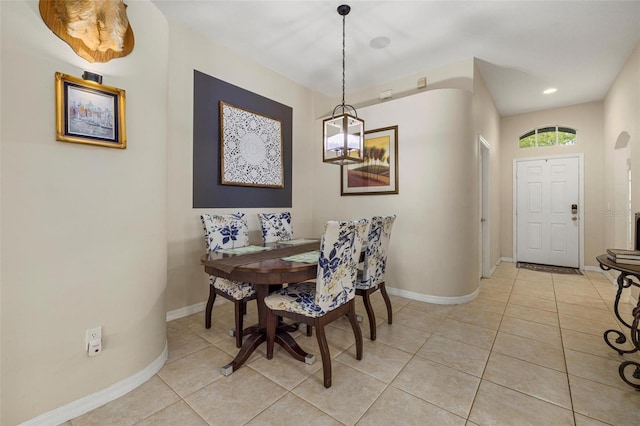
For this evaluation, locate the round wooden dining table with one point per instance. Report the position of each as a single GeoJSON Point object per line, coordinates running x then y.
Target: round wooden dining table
{"type": "Point", "coordinates": [268, 271]}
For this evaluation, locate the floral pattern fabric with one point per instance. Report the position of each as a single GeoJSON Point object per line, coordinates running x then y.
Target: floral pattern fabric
{"type": "Point", "coordinates": [224, 232]}
{"type": "Point", "coordinates": [337, 268]}
{"type": "Point", "coordinates": [375, 256]}
{"type": "Point", "coordinates": [236, 289]}
{"type": "Point", "coordinates": [276, 226]}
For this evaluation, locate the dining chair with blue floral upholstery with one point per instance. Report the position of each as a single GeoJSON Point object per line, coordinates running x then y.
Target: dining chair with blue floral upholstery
{"type": "Point", "coordinates": [372, 276]}
{"type": "Point", "coordinates": [276, 226]}
{"type": "Point", "coordinates": [330, 297]}
{"type": "Point", "coordinates": [224, 232]}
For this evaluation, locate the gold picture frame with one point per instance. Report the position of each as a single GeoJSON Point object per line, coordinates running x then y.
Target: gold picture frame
{"type": "Point", "coordinates": [378, 174]}
{"type": "Point", "coordinates": [89, 113]}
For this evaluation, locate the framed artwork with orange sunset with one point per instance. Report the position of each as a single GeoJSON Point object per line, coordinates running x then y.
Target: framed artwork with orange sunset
{"type": "Point", "coordinates": [378, 174]}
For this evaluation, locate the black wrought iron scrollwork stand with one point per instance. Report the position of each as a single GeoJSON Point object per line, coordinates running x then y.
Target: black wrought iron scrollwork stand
{"type": "Point", "coordinates": [630, 376]}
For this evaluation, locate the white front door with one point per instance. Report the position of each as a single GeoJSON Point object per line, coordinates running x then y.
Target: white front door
{"type": "Point", "coordinates": [547, 209]}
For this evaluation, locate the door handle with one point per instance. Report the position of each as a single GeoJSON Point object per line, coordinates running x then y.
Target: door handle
{"type": "Point", "coordinates": [574, 218]}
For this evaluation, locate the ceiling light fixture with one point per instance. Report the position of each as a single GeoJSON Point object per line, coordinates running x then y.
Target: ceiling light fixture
{"type": "Point", "coordinates": [550, 91]}
{"type": "Point", "coordinates": [343, 135]}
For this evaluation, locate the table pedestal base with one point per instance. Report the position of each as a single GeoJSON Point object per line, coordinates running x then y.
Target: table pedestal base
{"type": "Point", "coordinates": [283, 338]}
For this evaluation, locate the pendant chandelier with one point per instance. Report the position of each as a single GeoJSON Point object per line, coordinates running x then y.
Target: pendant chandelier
{"type": "Point", "coordinates": [343, 135]}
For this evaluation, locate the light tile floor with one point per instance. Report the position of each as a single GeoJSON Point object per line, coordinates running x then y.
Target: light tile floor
{"type": "Point", "coordinates": [527, 351]}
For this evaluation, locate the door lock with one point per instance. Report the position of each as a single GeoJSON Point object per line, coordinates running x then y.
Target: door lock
{"type": "Point", "coordinates": [574, 212]}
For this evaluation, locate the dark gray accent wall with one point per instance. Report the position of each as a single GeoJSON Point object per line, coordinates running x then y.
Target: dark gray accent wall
{"type": "Point", "coordinates": [208, 192]}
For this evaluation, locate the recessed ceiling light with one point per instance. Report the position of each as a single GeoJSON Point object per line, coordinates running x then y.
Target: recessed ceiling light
{"type": "Point", "coordinates": [550, 90]}
{"type": "Point", "coordinates": [380, 42]}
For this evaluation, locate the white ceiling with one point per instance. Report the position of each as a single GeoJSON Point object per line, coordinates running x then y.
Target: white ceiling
{"type": "Point", "coordinates": [523, 47]}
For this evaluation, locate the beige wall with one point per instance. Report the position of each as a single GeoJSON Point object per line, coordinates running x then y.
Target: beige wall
{"type": "Point", "coordinates": [457, 75]}
{"type": "Point", "coordinates": [587, 120]}
{"type": "Point", "coordinates": [486, 120]}
{"type": "Point", "coordinates": [187, 283]}
{"type": "Point", "coordinates": [621, 114]}
{"type": "Point", "coordinates": [134, 207]}
{"type": "Point", "coordinates": [434, 200]}
{"type": "Point", "coordinates": [316, 195]}
{"type": "Point", "coordinates": [83, 227]}
{"type": "Point", "coordinates": [1, 233]}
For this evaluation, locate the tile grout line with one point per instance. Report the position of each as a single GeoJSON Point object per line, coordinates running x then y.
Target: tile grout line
{"type": "Point", "coordinates": [556, 282]}
{"type": "Point", "coordinates": [475, 396]}
{"type": "Point", "coordinates": [564, 353]}
{"type": "Point", "coordinates": [387, 385]}
{"type": "Point", "coordinates": [524, 393]}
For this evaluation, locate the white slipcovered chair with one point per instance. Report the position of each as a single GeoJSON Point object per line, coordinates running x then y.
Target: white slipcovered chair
{"type": "Point", "coordinates": [224, 232]}
{"type": "Point", "coordinates": [372, 276]}
{"type": "Point", "coordinates": [330, 297]}
{"type": "Point", "coordinates": [276, 226]}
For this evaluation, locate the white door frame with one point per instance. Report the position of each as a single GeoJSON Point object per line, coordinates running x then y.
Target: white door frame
{"type": "Point", "coordinates": [580, 157]}
{"type": "Point", "coordinates": [484, 207]}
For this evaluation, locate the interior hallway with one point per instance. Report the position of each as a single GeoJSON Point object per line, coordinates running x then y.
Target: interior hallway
{"type": "Point", "coordinates": [528, 351]}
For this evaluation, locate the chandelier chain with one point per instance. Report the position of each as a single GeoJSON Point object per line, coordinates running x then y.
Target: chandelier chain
{"type": "Point", "coordinates": [343, 59]}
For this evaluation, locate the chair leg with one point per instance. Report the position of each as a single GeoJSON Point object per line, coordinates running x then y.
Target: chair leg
{"type": "Point", "coordinates": [372, 316]}
{"type": "Point", "coordinates": [324, 354]}
{"type": "Point", "coordinates": [387, 302]}
{"type": "Point", "coordinates": [272, 323]}
{"type": "Point", "coordinates": [209, 309]}
{"type": "Point", "coordinates": [357, 333]}
{"type": "Point", "coordinates": [239, 316]}
{"type": "Point", "coordinates": [309, 330]}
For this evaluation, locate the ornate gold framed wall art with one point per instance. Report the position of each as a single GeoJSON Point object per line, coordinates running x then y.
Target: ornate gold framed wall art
{"type": "Point", "coordinates": [89, 113]}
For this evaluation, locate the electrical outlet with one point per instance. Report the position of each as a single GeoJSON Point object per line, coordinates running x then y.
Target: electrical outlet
{"type": "Point", "coordinates": [93, 341]}
{"type": "Point", "coordinates": [93, 335]}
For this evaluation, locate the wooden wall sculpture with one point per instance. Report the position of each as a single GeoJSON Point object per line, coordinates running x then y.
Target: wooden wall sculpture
{"type": "Point", "coordinates": [97, 30]}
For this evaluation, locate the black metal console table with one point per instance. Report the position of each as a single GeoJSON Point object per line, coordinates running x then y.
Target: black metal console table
{"type": "Point", "coordinates": [625, 281]}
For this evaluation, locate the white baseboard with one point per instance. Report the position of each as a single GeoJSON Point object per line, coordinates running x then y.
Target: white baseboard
{"type": "Point", "coordinates": [493, 269]}
{"type": "Point", "coordinates": [630, 299]}
{"type": "Point", "coordinates": [97, 399]}
{"type": "Point", "coordinates": [193, 309]}
{"type": "Point", "coordinates": [507, 259]}
{"type": "Point", "coordinates": [186, 311]}
{"type": "Point", "coordinates": [613, 279]}
{"type": "Point", "coordinates": [593, 269]}
{"type": "Point", "coordinates": [433, 299]}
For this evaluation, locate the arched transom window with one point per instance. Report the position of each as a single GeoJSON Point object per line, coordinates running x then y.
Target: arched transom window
{"type": "Point", "coordinates": [548, 136]}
